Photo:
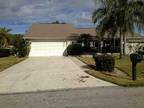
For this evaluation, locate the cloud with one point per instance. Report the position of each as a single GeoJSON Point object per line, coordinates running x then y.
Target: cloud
{"type": "Point", "coordinates": [26, 12]}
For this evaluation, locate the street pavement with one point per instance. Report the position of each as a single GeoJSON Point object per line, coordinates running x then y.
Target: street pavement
{"type": "Point", "coordinates": [99, 97]}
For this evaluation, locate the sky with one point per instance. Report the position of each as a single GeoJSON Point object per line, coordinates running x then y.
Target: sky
{"type": "Point", "coordinates": [18, 15]}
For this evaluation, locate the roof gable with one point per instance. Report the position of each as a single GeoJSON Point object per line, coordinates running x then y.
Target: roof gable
{"type": "Point", "coordinates": [90, 31]}
{"type": "Point", "coordinates": [56, 31]}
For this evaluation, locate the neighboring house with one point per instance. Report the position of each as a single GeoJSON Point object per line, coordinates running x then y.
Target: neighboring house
{"type": "Point", "coordinates": [134, 44]}
{"type": "Point", "coordinates": [53, 39]}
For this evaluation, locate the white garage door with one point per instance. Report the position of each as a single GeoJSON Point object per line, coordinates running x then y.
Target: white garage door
{"type": "Point", "coordinates": [48, 48]}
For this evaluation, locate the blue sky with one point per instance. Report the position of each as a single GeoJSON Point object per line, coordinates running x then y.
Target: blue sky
{"type": "Point", "coordinates": [20, 14]}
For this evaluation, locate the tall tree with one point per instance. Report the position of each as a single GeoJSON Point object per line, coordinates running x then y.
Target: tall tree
{"type": "Point", "coordinates": [4, 37]}
{"type": "Point", "coordinates": [119, 17]}
{"type": "Point", "coordinates": [56, 22]}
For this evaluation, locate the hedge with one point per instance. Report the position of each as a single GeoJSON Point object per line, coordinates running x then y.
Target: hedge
{"type": "Point", "coordinates": [74, 49]}
{"type": "Point", "coordinates": [5, 52]}
{"type": "Point", "coordinates": [104, 62]}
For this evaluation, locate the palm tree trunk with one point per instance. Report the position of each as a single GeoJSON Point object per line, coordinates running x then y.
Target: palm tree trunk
{"type": "Point", "coordinates": [121, 44]}
{"type": "Point", "coordinates": [124, 45]}
{"type": "Point", "coordinates": [101, 46]}
{"type": "Point", "coordinates": [113, 50]}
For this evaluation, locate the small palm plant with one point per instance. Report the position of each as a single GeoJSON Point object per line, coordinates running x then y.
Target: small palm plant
{"type": "Point", "coordinates": [4, 37]}
{"type": "Point", "coordinates": [119, 17]}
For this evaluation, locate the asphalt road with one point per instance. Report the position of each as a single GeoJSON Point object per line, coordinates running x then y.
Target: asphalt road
{"type": "Point", "coordinates": [108, 97]}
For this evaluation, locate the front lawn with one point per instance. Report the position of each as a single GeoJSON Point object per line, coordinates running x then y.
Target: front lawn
{"type": "Point", "coordinates": [6, 62]}
{"type": "Point", "coordinates": [122, 64]}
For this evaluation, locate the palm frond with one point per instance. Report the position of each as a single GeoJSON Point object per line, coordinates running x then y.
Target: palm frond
{"type": "Point", "coordinates": [98, 14]}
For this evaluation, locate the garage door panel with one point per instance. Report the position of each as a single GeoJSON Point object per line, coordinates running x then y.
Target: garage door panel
{"type": "Point", "coordinates": [47, 48]}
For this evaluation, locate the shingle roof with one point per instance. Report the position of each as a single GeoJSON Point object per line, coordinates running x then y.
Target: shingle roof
{"type": "Point", "coordinates": [90, 31]}
{"type": "Point", "coordinates": [50, 31]}
{"type": "Point", "coordinates": [65, 32]}
{"type": "Point", "coordinates": [56, 31]}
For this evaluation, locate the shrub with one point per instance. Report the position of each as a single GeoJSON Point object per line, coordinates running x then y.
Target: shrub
{"type": "Point", "coordinates": [24, 49]}
{"type": "Point", "coordinates": [104, 62]}
{"type": "Point", "coordinates": [74, 49]}
{"type": "Point", "coordinates": [94, 50]}
{"type": "Point", "coordinates": [21, 47]}
{"type": "Point", "coordinates": [111, 49]}
{"type": "Point", "coordinates": [84, 38]}
{"type": "Point", "coordinates": [5, 52]}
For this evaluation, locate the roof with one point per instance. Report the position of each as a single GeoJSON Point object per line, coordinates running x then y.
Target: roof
{"type": "Point", "coordinates": [56, 31]}
{"type": "Point", "coordinates": [50, 31]}
{"type": "Point", "coordinates": [66, 32]}
{"type": "Point", "coordinates": [90, 31]}
{"type": "Point", "coordinates": [135, 39]}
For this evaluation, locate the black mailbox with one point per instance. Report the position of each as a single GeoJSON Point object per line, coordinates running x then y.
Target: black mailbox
{"type": "Point", "coordinates": [135, 58]}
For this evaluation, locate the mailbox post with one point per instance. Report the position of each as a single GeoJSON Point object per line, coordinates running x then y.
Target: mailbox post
{"type": "Point", "coordinates": [133, 71]}
{"type": "Point", "coordinates": [135, 58]}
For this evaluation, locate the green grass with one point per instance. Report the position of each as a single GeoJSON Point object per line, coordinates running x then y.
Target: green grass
{"type": "Point", "coordinates": [6, 62]}
{"type": "Point", "coordinates": [122, 64]}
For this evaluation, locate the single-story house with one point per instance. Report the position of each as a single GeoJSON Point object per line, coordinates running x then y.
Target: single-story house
{"type": "Point", "coordinates": [53, 39]}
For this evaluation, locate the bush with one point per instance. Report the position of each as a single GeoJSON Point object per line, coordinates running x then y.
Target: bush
{"type": "Point", "coordinates": [21, 47]}
{"type": "Point", "coordinates": [74, 49]}
{"type": "Point", "coordinates": [24, 49]}
{"type": "Point", "coordinates": [104, 62]}
{"type": "Point", "coordinates": [93, 50]}
{"type": "Point", "coordinates": [111, 49]}
{"type": "Point", "coordinates": [5, 52]}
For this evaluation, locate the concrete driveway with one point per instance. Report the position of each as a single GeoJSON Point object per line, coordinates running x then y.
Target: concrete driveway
{"type": "Point", "coordinates": [47, 73]}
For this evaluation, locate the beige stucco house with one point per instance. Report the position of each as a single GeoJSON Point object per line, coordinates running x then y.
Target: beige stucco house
{"type": "Point", "coordinates": [134, 43]}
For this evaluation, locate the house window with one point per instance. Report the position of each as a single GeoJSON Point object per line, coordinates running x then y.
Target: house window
{"type": "Point", "coordinates": [91, 44]}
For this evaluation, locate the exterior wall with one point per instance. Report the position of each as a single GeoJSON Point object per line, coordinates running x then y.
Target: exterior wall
{"type": "Point", "coordinates": [49, 48]}
{"type": "Point", "coordinates": [132, 47]}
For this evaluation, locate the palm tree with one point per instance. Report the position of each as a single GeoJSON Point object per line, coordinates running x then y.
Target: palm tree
{"type": "Point", "coordinates": [4, 37]}
{"type": "Point", "coordinates": [119, 17]}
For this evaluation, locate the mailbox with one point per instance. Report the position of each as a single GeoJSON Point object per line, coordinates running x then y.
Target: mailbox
{"type": "Point", "coordinates": [135, 58]}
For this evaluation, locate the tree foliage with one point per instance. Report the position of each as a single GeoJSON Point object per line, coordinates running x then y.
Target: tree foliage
{"type": "Point", "coordinates": [4, 37]}
{"type": "Point", "coordinates": [115, 17]}
{"type": "Point", "coordinates": [21, 47]}
{"type": "Point", "coordinates": [85, 39]}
